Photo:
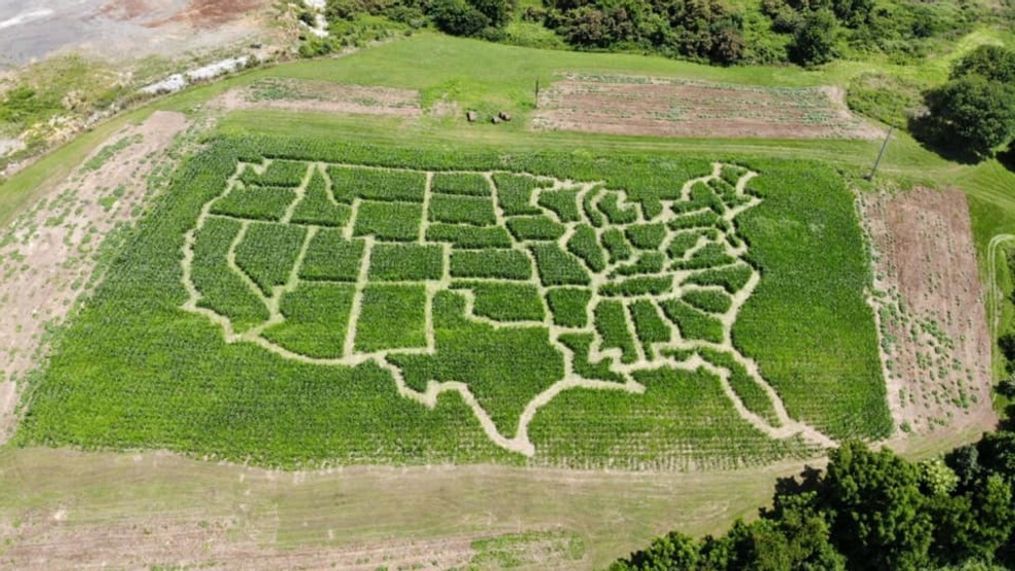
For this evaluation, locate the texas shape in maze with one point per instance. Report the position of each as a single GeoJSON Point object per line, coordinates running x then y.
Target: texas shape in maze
{"type": "Point", "coordinates": [452, 281]}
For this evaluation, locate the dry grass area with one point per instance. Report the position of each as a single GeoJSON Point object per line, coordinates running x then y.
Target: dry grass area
{"type": "Point", "coordinates": [63, 508]}
{"type": "Point", "coordinates": [640, 105]}
{"type": "Point", "coordinates": [323, 97]}
{"type": "Point", "coordinates": [47, 256]}
{"type": "Point", "coordinates": [930, 306]}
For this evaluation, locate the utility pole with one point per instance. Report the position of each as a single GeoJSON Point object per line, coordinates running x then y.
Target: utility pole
{"type": "Point", "coordinates": [537, 93]}
{"type": "Point", "coordinates": [881, 153]}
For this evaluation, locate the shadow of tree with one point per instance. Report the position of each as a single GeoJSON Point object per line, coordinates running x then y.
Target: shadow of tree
{"type": "Point", "coordinates": [931, 136]}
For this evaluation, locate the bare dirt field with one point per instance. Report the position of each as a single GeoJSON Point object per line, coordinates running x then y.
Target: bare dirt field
{"type": "Point", "coordinates": [638, 105]}
{"type": "Point", "coordinates": [930, 309]}
{"type": "Point", "coordinates": [323, 97]}
{"type": "Point", "coordinates": [63, 508]}
{"type": "Point", "coordinates": [60, 236]}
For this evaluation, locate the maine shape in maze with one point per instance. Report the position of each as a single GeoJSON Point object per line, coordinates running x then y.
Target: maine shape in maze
{"type": "Point", "coordinates": [337, 265]}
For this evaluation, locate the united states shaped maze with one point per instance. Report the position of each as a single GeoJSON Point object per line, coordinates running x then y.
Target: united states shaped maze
{"type": "Point", "coordinates": [445, 278]}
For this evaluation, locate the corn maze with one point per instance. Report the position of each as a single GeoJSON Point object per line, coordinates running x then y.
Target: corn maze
{"type": "Point", "coordinates": [427, 273]}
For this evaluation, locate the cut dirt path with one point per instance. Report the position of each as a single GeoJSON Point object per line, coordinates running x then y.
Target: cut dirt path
{"type": "Point", "coordinates": [63, 508]}
{"type": "Point", "coordinates": [47, 255]}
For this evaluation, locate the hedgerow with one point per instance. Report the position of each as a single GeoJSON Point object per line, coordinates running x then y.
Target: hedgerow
{"type": "Point", "coordinates": [506, 301]}
{"type": "Point", "coordinates": [316, 206]}
{"type": "Point", "coordinates": [648, 325]}
{"type": "Point", "coordinates": [316, 315]}
{"type": "Point", "coordinates": [580, 344]}
{"type": "Point", "coordinates": [569, 306]}
{"type": "Point", "coordinates": [268, 252]}
{"type": "Point", "coordinates": [453, 209]}
{"type": "Point", "coordinates": [514, 193]}
{"type": "Point", "coordinates": [709, 300]}
{"type": "Point", "coordinates": [331, 257]}
{"type": "Point", "coordinates": [609, 205]}
{"type": "Point", "coordinates": [610, 323]}
{"type": "Point", "coordinates": [504, 264]}
{"type": "Point", "coordinates": [466, 236]}
{"type": "Point", "coordinates": [349, 183]}
{"type": "Point", "coordinates": [460, 183]}
{"type": "Point", "coordinates": [395, 221]}
{"type": "Point", "coordinates": [639, 285]}
{"type": "Point", "coordinates": [710, 256]}
{"type": "Point", "coordinates": [682, 242]}
{"type": "Point", "coordinates": [534, 228]}
{"type": "Point", "coordinates": [705, 219]}
{"type": "Point", "coordinates": [406, 262]}
{"type": "Point", "coordinates": [731, 278]}
{"type": "Point", "coordinates": [594, 216]}
{"type": "Point", "coordinates": [751, 394]}
{"type": "Point", "coordinates": [255, 202]}
{"type": "Point", "coordinates": [557, 267]}
{"type": "Point", "coordinates": [222, 290]}
{"type": "Point", "coordinates": [615, 244]}
{"type": "Point", "coordinates": [692, 323]}
{"type": "Point", "coordinates": [392, 316]}
{"type": "Point", "coordinates": [646, 236]}
{"type": "Point", "coordinates": [583, 244]}
{"type": "Point", "coordinates": [563, 202]}
{"type": "Point", "coordinates": [278, 173]}
{"type": "Point", "coordinates": [646, 263]}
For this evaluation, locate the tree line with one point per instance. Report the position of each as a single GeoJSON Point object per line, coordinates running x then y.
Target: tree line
{"type": "Point", "coordinates": [807, 32]}
{"type": "Point", "coordinates": [868, 511]}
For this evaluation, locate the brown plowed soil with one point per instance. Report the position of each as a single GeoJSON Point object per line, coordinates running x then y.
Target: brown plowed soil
{"type": "Point", "coordinates": [932, 319]}
{"type": "Point", "coordinates": [632, 105]}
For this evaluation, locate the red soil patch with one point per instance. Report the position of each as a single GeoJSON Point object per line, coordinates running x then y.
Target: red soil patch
{"type": "Point", "coordinates": [196, 13]}
{"type": "Point", "coordinates": [631, 105]}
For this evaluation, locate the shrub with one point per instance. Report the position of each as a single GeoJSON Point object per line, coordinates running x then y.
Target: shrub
{"type": "Point", "coordinates": [814, 39]}
{"type": "Point", "coordinates": [458, 17]}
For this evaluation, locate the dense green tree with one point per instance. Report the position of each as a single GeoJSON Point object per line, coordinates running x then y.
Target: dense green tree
{"type": "Point", "coordinates": [853, 13]}
{"type": "Point", "coordinates": [973, 112]}
{"type": "Point", "coordinates": [814, 39]}
{"type": "Point", "coordinates": [995, 63]}
{"type": "Point", "coordinates": [879, 516]}
{"type": "Point", "coordinates": [671, 551]}
{"type": "Point", "coordinates": [458, 17]}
